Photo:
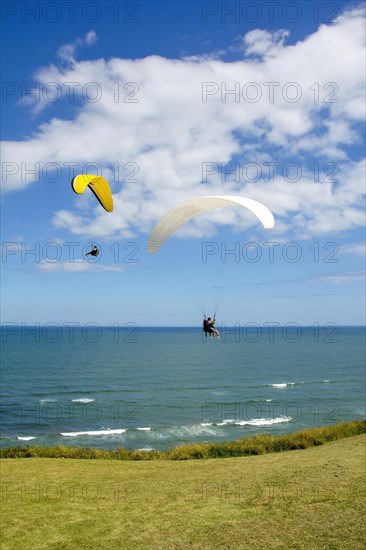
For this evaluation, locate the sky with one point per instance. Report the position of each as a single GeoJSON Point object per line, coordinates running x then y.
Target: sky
{"type": "Point", "coordinates": [171, 101]}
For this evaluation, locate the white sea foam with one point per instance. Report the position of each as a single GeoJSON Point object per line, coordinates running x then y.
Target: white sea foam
{"type": "Point", "coordinates": [180, 432]}
{"type": "Point", "coordinates": [228, 421]}
{"type": "Point", "coordinates": [256, 421]}
{"type": "Point", "coordinates": [326, 380]}
{"type": "Point", "coordinates": [96, 432]}
{"type": "Point", "coordinates": [264, 421]}
{"type": "Point", "coordinates": [27, 438]}
{"type": "Point", "coordinates": [83, 400]}
{"type": "Point", "coordinates": [44, 401]}
{"type": "Point", "coordinates": [206, 424]}
{"type": "Point", "coordinates": [285, 384]}
{"type": "Point", "coordinates": [143, 429]}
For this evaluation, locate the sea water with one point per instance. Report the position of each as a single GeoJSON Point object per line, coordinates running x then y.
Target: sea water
{"type": "Point", "coordinates": [156, 388]}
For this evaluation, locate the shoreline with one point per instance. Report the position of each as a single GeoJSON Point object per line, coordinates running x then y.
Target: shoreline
{"type": "Point", "coordinates": [252, 445]}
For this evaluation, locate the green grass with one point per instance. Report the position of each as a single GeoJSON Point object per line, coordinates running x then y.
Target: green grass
{"type": "Point", "coordinates": [256, 445]}
{"type": "Point", "coordinates": [306, 499]}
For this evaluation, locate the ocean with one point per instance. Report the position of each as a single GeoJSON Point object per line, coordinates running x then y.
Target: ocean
{"type": "Point", "coordinates": [156, 388]}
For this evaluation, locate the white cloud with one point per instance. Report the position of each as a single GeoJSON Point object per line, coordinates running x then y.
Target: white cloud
{"type": "Point", "coordinates": [67, 52]}
{"type": "Point", "coordinates": [77, 266]}
{"type": "Point", "coordinates": [264, 43]}
{"type": "Point", "coordinates": [47, 92]}
{"type": "Point", "coordinates": [356, 248]}
{"type": "Point", "coordinates": [340, 278]}
{"type": "Point", "coordinates": [169, 132]}
{"type": "Point", "coordinates": [90, 38]}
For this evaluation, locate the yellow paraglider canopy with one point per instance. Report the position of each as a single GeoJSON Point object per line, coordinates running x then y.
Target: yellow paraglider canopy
{"type": "Point", "coordinates": [98, 185]}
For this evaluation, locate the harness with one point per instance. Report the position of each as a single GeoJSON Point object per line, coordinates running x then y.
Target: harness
{"type": "Point", "coordinates": [206, 326]}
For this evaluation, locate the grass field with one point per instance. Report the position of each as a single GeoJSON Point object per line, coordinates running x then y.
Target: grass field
{"type": "Point", "coordinates": [302, 499]}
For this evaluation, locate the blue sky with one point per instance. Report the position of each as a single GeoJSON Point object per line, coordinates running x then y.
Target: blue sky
{"type": "Point", "coordinates": [169, 101]}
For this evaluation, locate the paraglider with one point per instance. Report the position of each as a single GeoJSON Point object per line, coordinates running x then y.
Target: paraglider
{"type": "Point", "coordinates": [201, 278]}
{"type": "Point", "coordinates": [98, 185]}
{"type": "Point", "coordinates": [181, 214]}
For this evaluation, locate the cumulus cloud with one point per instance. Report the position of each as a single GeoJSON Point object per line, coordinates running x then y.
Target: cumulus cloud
{"type": "Point", "coordinates": [47, 92]}
{"type": "Point", "coordinates": [264, 43]}
{"type": "Point", "coordinates": [153, 124]}
{"type": "Point", "coordinates": [67, 52]}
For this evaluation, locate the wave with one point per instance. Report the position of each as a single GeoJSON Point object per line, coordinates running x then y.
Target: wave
{"type": "Point", "coordinates": [94, 432]}
{"type": "Point", "coordinates": [212, 428]}
{"type": "Point", "coordinates": [284, 384]}
{"type": "Point", "coordinates": [183, 432]}
{"type": "Point", "coordinates": [264, 421]}
{"type": "Point", "coordinates": [83, 400]}
{"type": "Point", "coordinates": [309, 382]}
{"type": "Point", "coordinates": [251, 422]}
{"type": "Point", "coordinates": [179, 432]}
{"type": "Point", "coordinates": [224, 422]}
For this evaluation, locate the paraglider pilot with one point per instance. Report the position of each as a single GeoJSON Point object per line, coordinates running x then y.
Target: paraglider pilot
{"type": "Point", "coordinates": [209, 327]}
{"type": "Point", "coordinates": [93, 252]}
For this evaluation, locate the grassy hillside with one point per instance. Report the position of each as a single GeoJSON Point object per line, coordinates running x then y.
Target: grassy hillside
{"type": "Point", "coordinates": [304, 499]}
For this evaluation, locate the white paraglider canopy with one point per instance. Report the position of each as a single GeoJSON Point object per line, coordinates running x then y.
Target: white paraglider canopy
{"type": "Point", "coordinates": [181, 214]}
